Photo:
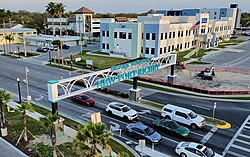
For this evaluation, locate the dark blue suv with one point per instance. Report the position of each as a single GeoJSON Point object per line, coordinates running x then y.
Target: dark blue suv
{"type": "Point", "coordinates": [141, 131]}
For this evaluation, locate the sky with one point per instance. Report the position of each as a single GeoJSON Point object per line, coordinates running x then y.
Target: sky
{"type": "Point", "coordinates": [121, 6]}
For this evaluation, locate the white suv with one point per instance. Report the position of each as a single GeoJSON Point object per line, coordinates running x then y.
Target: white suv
{"type": "Point", "coordinates": [191, 149]}
{"type": "Point", "coordinates": [121, 110]}
{"type": "Point", "coordinates": [183, 115]}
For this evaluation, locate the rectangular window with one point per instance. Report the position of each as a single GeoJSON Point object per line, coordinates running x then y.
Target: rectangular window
{"type": "Point", "coordinates": [108, 46]}
{"type": "Point", "coordinates": [193, 31]}
{"type": "Point", "coordinates": [166, 35]}
{"type": "Point", "coordinates": [173, 34]}
{"type": "Point", "coordinates": [147, 36]}
{"type": "Point", "coordinates": [152, 51]}
{"type": "Point", "coordinates": [147, 50]}
{"type": "Point", "coordinates": [179, 33]}
{"type": "Point", "coordinates": [141, 49]}
{"type": "Point", "coordinates": [177, 46]}
{"type": "Point", "coordinates": [153, 36]}
{"type": "Point", "coordinates": [185, 45]}
{"type": "Point", "coordinates": [129, 35]}
{"type": "Point", "coordinates": [186, 32]}
{"type": "Point", "coordinates": [192, 43]}
{"type": "Point", "coordinates": [180, 46]}
{"type": "Point", "coordinates": [103, 33]}
{"type": "Point", "coordinates": [103, 45]}
{"type": "Point", "coordinates": [122, 35]}
{"type": "Point", "coordinates": [161, 36]}
{"type": "Point", "coordinates": [189, 32]}
{"type": "Point", "coordinates": [115, 34]}
{"type": "Point", "coordinates": [107, 33]}
{"type": "Point", "coordinates": [142, 36]}
{"type": "Point", "coordinates": [160, 50]}
{"type": "Point", "coordinates": [169, 48]}
{"type": "Point", "coordinates": [165, 49]}
{"type": "Point", "coordinates": [172, 47]}
{"type": "Point", "coordinates": [170, 35]}
{"type": "Point", "coordinates": [188, 44]}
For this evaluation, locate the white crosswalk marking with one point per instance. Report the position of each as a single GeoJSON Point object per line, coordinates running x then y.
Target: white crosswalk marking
{"type": "Point", "coordinates": [239, 145]}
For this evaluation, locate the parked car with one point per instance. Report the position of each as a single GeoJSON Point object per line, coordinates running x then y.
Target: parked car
{"type": "Point", "coordinates": [121, 110]}
{"type": "Point", "coordinates": [64, 46]}
{"type": "Point", "coordinates": [171, 127]}
{"type": "Point", "coordinates": [183, 116]}
{"type": "Point", "coordinates": [141, 131]}
{"type": "Point", "coordinates": [83, 99]}
{"type": "Point", "coordinates": [52, 48]}
{"type": "Point", "coordinates": [42, 49]}
{"type": "Point", "coordinates": [191, 149]}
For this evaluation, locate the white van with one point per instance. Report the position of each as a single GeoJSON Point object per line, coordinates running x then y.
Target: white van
{"type": "Point", "coordinates": [183, 115]}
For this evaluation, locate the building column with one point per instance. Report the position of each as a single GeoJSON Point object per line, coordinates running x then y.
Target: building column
{"type": "Point", "coordinates": [54, 108]}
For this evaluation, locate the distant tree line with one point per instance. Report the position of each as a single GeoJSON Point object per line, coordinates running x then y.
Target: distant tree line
{"type": "Point", "coordinates": [245, 20]}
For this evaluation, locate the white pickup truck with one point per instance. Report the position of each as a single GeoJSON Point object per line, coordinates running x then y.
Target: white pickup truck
{"type": "Point", "coordinates": [183, 115]}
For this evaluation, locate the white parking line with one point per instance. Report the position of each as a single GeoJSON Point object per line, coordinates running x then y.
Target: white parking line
{"type": "Point", "coordinates": [201, 107]}
{"type": "Point", "coordinates": [235, 154]}
{"type": "Point", "coordinates": [6, 73]}
{"type": "Point", "coordinates": [241, 148]}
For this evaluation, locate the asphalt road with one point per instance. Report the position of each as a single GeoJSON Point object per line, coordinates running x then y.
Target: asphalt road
{"type": "Point", "coordinates": [233, 112]}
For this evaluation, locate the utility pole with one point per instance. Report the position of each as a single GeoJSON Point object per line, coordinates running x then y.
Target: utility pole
{"type": "Point", "coordinates": [79, 20]}
{"type": "Point", "coordinates": [24, 45]}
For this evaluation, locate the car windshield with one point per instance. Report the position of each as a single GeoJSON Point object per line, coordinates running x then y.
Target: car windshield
{"type": "Point", "coordinates": [192, 115]}
{"type": "Point", "coordinates": [208, 152]}
{"type": "Point", "coordinates": [174, 125]}
{"type": "Point", "coordinates": [125, 109]}
{"type": "Point", "coordinates": [149, 131]}
{"type": "Point", "coordinates": [85, 97]}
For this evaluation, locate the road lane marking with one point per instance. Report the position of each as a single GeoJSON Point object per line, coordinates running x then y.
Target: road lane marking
{"type": "Point", "coordinates": [6, 73]}
{"type": "Point", "coordinates": [209, 135]}
{"type": "Point", "coordinates": [235, 154]}
{"type": "Point", "coordinates": [241, 148]}
{"type": "Point", "coordinates": [238, 133]}
{"type": "Point", "coordinates": [205, 108]}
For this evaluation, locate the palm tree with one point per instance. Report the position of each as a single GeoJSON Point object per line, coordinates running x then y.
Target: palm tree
{"type": "Point", "coordinates": [10, 38]}
{"type": "Point", "coordinates": [58, 44]}
{"type": "Point", "coordinates": [48, 123]}
{"type": "Point", "coordinates": [59, 12]}
{"type": "Point", "coordinates": [93, 135]}
{"type": "Point", "coordinates": [2, 16]}
{"type": "Point", "coordinates": [4, 98]}
{"type": "Point", "coordinates": [51, 9]}
{"type": "Point", "coordinates": [9, 15]}
{"type": "Point", "coordinates": [22, 108]}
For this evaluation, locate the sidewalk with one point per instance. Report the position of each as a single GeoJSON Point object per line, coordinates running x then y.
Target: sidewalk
{"type": "Point", "coordinates": [148, 151]}
{"type": "Point", "coordinates": [8, 150]}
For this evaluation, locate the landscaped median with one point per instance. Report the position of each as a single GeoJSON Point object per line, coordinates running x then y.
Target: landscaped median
{"type": "Point", "coordinates": [40, 146]}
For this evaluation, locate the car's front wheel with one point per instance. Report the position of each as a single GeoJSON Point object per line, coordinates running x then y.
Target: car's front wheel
{"type": "Point", "coordinates": [193, 126]}
{"type": "Point", "coordinates": [109, 112]}
{"type": "Point", "coordinates": [183, 155]}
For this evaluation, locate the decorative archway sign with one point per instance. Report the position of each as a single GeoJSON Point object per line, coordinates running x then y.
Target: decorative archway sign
{"type": "Point", "coordinates": [106, 77]}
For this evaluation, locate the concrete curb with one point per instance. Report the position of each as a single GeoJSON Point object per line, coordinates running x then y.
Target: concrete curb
{"type": "Point", "coordinates": [13, 148]}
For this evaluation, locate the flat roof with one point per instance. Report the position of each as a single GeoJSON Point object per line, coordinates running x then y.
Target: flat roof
{"type": "Point", "coordinates": [14, 30]}
{"type": "Point", "coordinates": [50, 37]}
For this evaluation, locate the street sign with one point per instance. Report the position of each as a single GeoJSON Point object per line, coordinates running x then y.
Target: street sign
{"type": "Point", "coordinates": [89, 62]}
{"type": "Point", "coordinates": [78, 59]}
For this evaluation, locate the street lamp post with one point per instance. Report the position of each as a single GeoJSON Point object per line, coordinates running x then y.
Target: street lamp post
{"type": "Point", "coordinates": [18, 50]}
{"type": "Point", "coordinates": [79, 20]}
{"type": "Point", "coordinates": [71, 58]}
{"type": "Point", "coordinates": [19, 91]}
{"type": "Point", "coordinates": [50, 57]}
{"type": "Point", "coordinates": [215, 103]}
{"type": "Point", "coordinates": [27, 84]}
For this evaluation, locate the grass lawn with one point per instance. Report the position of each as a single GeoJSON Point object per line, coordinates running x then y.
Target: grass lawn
{"type": "Point", "coordinates": [101, 53]}
{"type": "Point", "coordinates": [99, 62]}
{"type": "Point", "coordinates": [61, 67]}
{"type": "Point", "coordinates": [16, 127]}
{"type": "Point", "coordinates": [10, 56]}
{"type": "Point", "coordinates": [118, 148]}
{"type": "Point", "coordinates": [29, 54]}
{"type": "Point", "coordinates": [181, 54]}
{"type": "Point", "coordinates": [198, 62]}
